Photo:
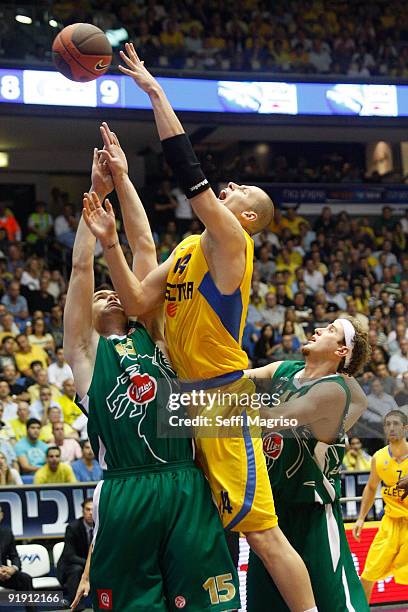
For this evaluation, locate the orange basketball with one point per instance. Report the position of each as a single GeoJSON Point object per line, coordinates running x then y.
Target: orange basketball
{"type": "Point", "coordinates": [81, 52]}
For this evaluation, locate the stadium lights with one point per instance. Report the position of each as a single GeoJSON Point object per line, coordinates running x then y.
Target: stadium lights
{"type": "Point", "coordinates": [53, 23]}
{"type": "Point", "coordinates": [23, 17]}
{"type": "Point", "coordinates": [4, 160]}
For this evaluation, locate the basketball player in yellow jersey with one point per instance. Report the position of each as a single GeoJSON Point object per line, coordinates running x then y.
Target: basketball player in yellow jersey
{"type": "Point", "coordinates": [206, 283]}
{"type": "Point", "coordinates": [388, 554]}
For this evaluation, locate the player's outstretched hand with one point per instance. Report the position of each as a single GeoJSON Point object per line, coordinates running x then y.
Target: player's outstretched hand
{"type": "Point", "coordinates": [136, 69]}
{"type": "Point", "coordinates": [82, 591]}
{"type": "Point", "coordinates": [357, 529]}
{"type": "Point", "coordinates": [403, 484]}
{"type": "Point", "coordinates": [101, 221]}
{"type": "Point", "coordinates": [101, 177]}
{"type": "Point", "coordinates": [112, 153]}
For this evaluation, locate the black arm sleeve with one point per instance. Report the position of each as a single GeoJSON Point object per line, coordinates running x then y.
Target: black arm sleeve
{"type": "Point", "coordinates": [180, 156]}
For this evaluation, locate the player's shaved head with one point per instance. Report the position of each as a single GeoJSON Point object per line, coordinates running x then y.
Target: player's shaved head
{"type": "Point", "coordinates": [264, 209]}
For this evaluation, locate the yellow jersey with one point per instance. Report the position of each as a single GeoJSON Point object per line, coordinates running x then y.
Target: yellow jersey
{"type": "Point", "coordinates": [203, 326]}
{"type": "Point", "coordinates": [63, 473]}
{"type": "Point", "coordinates": [390, 472]}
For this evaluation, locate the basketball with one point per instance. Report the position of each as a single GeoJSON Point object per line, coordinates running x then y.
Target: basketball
{"type": "Point", "coordinates": [82, 52]}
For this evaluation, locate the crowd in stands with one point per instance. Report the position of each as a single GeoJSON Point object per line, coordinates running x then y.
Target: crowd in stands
{"type": "Point", "coordinates": [307, 273]}
{"type": "Point", "coordinates": [315, 36]}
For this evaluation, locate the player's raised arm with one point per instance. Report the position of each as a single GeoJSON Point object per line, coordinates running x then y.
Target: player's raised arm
{"type": "Point", "coordinates": [220, 222]}
{"type": "Point", "coordinates": [266, 371]}
{"type": "Point", "coordinates": [135, 220]}
{"type": "Point", "coordinates": [137, 298]}
{"type": "Point", "coordinates": [79, 335]}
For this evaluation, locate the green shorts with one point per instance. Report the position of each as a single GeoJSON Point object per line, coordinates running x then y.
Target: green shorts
{"type": "Point", "coordinates": [317, 533]}
{"type": "Point", "coordinates": [160, 544]}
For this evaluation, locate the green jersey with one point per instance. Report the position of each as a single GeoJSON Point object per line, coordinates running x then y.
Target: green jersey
{"type": "Point", "coordinates": [302, 469]}
{"type": "Point", "coordinates": [131, 382]}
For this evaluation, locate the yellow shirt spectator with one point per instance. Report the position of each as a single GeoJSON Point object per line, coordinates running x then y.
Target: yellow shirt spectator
{"type": "Point", "coordinates": [69, 408]}
{"type": "Point", "coordinates": [28, 353]}
{"type": "Point", "coordinates": [63, 473]}
{"type": "Point", "coordinates": [19, 428]}
{"type": "Point", "coordinates": [46, 432]}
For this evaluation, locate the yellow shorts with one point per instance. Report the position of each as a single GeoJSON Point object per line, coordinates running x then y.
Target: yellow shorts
{"type": "Point", "coordinates": [388, 554]}
{"type": "Point", "coordinates": [236, 469]}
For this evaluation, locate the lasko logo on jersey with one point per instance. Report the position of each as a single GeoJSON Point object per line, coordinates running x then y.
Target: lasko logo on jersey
{"type": "Point", "coordinates": [101, 66]}
{"type": "Point", "coordinates": [273, 445]}
{"type": "Point", "coordinates": [104, 599]}
{"type": "Point", "coordinates": [143, 388]}
{"type": "Point", "coordinates": [180, 602]}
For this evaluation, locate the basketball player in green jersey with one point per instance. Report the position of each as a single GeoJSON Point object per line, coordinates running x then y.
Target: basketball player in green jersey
{"type": "Point", "coordinates": [159, 543]}
{"type": "Point", "coordinates": [304, 465]}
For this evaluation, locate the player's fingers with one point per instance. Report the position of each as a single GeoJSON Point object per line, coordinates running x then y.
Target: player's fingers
{"type": "Point", "coordinates": [126, 71]}
{"type": "Point", "coordinates": [105, 135]}
{"type": "Point", "coordinates": [88, 204]}
{"type": "Point", "coordinates": [109, 132]}
{"type": "Point", "coordinates": [115, 139]}
{"type": "Point", "coordinates": [127, 60]}
{"type": "Point", "coordinates": [108, 207]}
{"type": "Point", "coordinates": [76, 601]}
{"type": "Point", "coordinates": [95, 155]}
{"type": "Point", "coordinates": [133, 51]}
{"type": "Point", "coordinates": [105, 156]}
{"type": "Point", "coordinates": [95, 201]}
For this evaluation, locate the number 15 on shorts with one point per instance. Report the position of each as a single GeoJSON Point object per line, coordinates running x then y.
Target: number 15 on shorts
{"type": "Point", "coordinates": [220, 588]}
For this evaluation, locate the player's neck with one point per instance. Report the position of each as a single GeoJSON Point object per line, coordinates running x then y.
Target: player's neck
{"type": "Point", "coordinates": [318, 369]}
{"type": "Point", "coordinates": [399, 448]}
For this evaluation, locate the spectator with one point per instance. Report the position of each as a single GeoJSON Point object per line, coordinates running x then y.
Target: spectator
{"type": "Point", "coordinates": [356, 458]}
{"type": "Point", "coordinates": [9, 223]}
{"type": "Point", "coordinates": [65, 226]}
{"type": "Point", "coordinates": [398, 363]}
{"type": "Point", "coordinates": [15, 382]}
{"type": "Point", "coordinates": [388, 382]}
{"type": "Point", "coordinates": [312, 277]}
{"type": "Point", "coordinates": [54, 471]}
{"type": "Point", "coordinates": [7, 353]}
{"type": "Point", "coordinates": [11, 576]}
{"type": "Point", "coordinates": [40, 337]}
{"type": "Point", "coordinates": [39, 224]}
{"type": "Point", "coordinates": [401, 397]}
{"type": "Point", "coordinates": [379, 404]}
{"type": "Point", "coordinates": [39, 408]}
{"type": "Point", "coordinates": [30, 451]}
{"type": "Point", "coordinates": [285, 350]}
{"type": "Point", "coordinates": [28, 353]}
{"type": "Point", "coordinates": [9, 405]}
{"type": "Point", "coordinates": [264, 348]}
{"type": "Point", "coordinates": [78, 538]}
{"type": "Point", "coordinates": [70, 409]}
{"type": "Point", "coordinates": [41, 380]}
{"type": "Point", "coordinates": [15, 302]}
{"type": "Point", "coordinates": [273, 313]}
{"type": "Point", "coordinates": [87, 469]}
{"type": "Point", "coordinates": [70, 449]}
{"type": "Point", "coordinates": [59, 371]}
{"type": "Point", "coordinates": [41, 299]}
{"type": "Point", "coordinates": [8, 476]}
{"type": "Point", "coordinates": [19, 424]}
{"type": "Point", "coordinates": [265, 265]}
{"type": "Point", "coordinates": [54, 414]}
{"type": "Point", "coordinates": [164, 204]}
{"type": "Point", "coordinates": [56, 325]}
{"type": "Point", "coordinates": [31, 274]}
{"type": "Point", "coordinates": [8, 326]}
{"type": "Point", "coordinates": [6, 431]}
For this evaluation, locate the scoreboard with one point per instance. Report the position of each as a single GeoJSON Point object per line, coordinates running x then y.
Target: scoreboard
{"type": "Point", "coordinates": [50, 88]}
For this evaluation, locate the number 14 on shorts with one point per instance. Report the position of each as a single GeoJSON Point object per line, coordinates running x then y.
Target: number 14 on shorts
{"type": "Point", "coordinates": [220, 588]}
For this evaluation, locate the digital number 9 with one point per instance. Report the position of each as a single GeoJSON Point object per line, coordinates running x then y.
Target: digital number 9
{"type": "Point", "coordinates": [109, 92]}
{"type": "Point", "coordinates": [10, 87]}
